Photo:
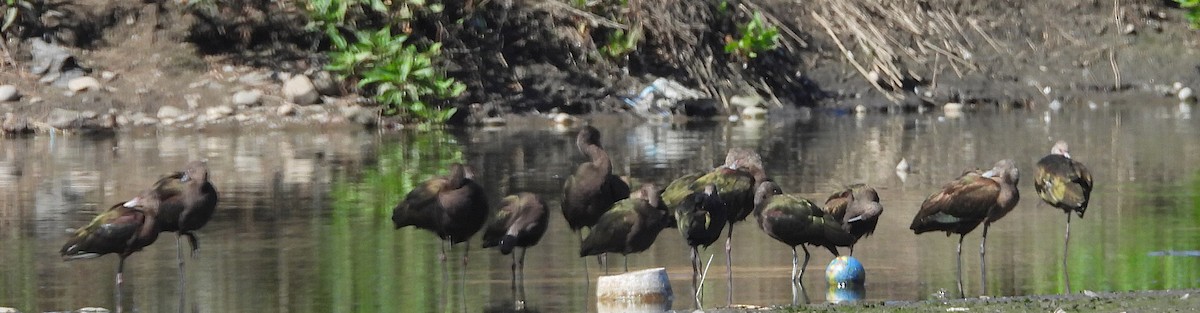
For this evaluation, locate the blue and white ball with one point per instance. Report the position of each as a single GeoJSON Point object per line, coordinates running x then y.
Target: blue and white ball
{"type": "Point", "coordinates": [845, 270]}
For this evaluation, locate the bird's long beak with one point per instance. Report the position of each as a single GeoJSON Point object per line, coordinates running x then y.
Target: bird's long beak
{"type": "Point", "coordinates": [133, 203]}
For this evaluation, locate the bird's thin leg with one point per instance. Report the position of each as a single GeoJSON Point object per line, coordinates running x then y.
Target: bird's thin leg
{"type": "Point", "coordinates": [466, 252]}
{"type": "Point", "coordinates": [586, 277]}
{"type": "Point", "coordinates": [1066, 242]}
{"type": "Point", "coordinates": [626, 262]}
{"type": "Point", "coordinates": [182, 275]}
{"type": "Point", "coordinates": [521, 284]}
{"type": "Point", "coordinates": [514, 274]}
{"type": "Point", "coordinates": [795, 265]}
{"type": "Point", "coordinates": [961, 294]}
{"type": "Point", "coordinates": [696, 274]}
{"type": "Point", "coordinates": [851, 250]}
{"type": "Point", "coordinates": [729, 264]}
{"type": "Point", "coordinates": [442, 256]}
{"type": "Point", "coordinates": [603, 259]}
{"type": "Point", "coordinates": [195, 243]}
{"type": "Point", "coordinates": [120, 281]}
{"type": "Point", "coordinates": [983, 260]}
{"type": "Point", "coordinates": [803, 266]}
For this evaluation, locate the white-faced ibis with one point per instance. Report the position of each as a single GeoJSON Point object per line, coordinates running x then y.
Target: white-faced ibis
{"type": "Point", "coordinates": [185, 202]}
{"type": "Point", "coordinates": [734, 183]}
{"type": "Point", "coordinates": [122, 230]}
{"type": "Point", "coordinates": [975, 197]}
{"type": "Point", "coordinates": [631, 226]}
{"type": "Point", "coordinates": [858, 208]}
{"type": "Point", "coordinates": [593, 189]}
{"type": "Point", "coordinates": [520, 222]}
{"type": "Point", "coordinates": [700, 218]}
{"type": "Point", "coordinates": [1065, 184]}
{"type": "Point", "coordinates": [453, 207]}
{"type": "Point", "coordinates": [796, 221]}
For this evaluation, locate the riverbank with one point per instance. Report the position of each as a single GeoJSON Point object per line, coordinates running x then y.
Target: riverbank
{"type": "Point", "coordinates": [1134, 301]}
{"type": "Point", "coordinates": [191, 66]}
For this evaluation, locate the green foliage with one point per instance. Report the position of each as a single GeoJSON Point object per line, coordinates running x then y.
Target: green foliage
{"type": "Point", "coordinates": [757, 37]}
{"type": "Point", "coordinates": [1193, 11]}
{"type": "Point", "coordinates": [621, 43]}
{"type": "Point", "coordinates": [12, 11]}
{"type": "Point", "coordinates": [400, 75]}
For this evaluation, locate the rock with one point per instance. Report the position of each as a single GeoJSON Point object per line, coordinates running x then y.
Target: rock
{"type": "Point", "coordinates": [9, 93]}
{"type": "Point", "coordinates": [93, 310]}
{"type": "Point", "coordinates": [287, 109]}
{"type": "Point", "coordinates": [952, 109]}
{"type": "Point", "coordinates": [254, 78]}
{"type": "Point", "coordinates": [15, 124]}
{"type": "Point", "coordinates": [167, 112]}
{"type": "Point", "coordinates": [63, 118]}
{"type": "Point", "coordinates": [247, 98]}
{"type": "Point", "coordinates": [8, 310]}
{"type": "Point", "coordinates": [641, 291]}
{"type": "Point", "coordinates": [564, 119]}
{"type": "Point", "coordinates": [754, 112]}
{"type": "Point", "coordinates": [218, 112]}
{"type": "Point", "coordinates": [860, 109]}
{"type": "Point", "coordinates": [1055, 105]}
{"type": "Point", "coordinates": [745, 101]}
{"type": "Point", "coordinates": [494, 121]}
{"type": "Point", "coordinates": [1186, 95]}
{"type": "Point", "coordinates": [85, 83]}
{"type": "Point", "coordinates": [54, 63]}
{"type": "Point", "coordinates": [300, 90]}
{"type": "Point", "coordinates": [108, 75]}
{"type": "Point", "coordinates": [325, 83]}
{"type": "Point", "coordinates": [360, 115]}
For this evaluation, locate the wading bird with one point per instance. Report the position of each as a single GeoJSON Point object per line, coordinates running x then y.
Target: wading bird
{"type": "Point", "coordinates": [975, 197]}
{"type": "Point", "coordinates": [700, 218]}
{"type": "Point", "coordinates": [593, 189]}
{"type": "Point", "coordinates": [520, 222]}
{"type": "Point", "coordinates": [454, 207]}
{"type": "Point", "coordinates": [796, 221]}
{"type": "Point", "coordinates": [857, 208]}
{"type": "Point", "coordinates": [1065, 184]}
{"type": "Point", "coordinates": [631, 226]}
{"type": "Point", "coordinates": [185, 202]}
{"type": "Point", "coordinates": [734, 183]}
{"type": "Point", "coordinates": [121, 229]}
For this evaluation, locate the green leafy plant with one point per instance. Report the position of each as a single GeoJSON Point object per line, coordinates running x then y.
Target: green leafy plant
{"type": "Point", "coordinates": [621, 43]}
{"type": "Point", "coordinates": [757, 37]}
{"type": "Point", "coordinates": [398, 74]}
{"type": "Point", "coordinates": [1193, 11]}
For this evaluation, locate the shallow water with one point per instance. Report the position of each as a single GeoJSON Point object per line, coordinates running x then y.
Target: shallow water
{"type": "Point", "coordinates": [303, 220]}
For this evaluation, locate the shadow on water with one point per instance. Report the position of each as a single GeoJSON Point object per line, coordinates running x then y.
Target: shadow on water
{"type": "Point", "coordinates": [303, 224]}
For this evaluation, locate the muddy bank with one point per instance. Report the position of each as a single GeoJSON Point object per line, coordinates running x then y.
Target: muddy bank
{"type": "Point", "coordinates": [1139, 301]}
{"type": "Point", "coordinates": [228, 63]}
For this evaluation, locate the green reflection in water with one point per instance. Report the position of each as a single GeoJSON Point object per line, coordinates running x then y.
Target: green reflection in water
{"type": "Point", "coordinates": [1120, 250]}
{"type": "Point", "coordinates": [366, 265]}
{"type": "Point", "coordinates": [17, 282]}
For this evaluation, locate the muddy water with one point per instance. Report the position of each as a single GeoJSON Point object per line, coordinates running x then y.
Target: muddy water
{"type": "Point", "coordinates": [303, 221]}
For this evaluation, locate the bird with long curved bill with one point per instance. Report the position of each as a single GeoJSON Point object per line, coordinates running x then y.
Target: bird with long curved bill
{"type": "Point", "coordinates": [858, 208]}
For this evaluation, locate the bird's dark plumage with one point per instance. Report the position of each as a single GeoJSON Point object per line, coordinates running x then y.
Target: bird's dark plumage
{"type": "Point", "coordinates": [520, 221]}
{"type": "Point", "coordinates": [185, 201]}
{"type": "Point", "coordinates": [1063, 182]}
{"type": "Point", "coordinates": [794, 220]}
{"type": "Point", "coordinates": [631, 225]}
{"type": "Point", "coordinates": [857, 207]}
{"type": "Point", "coordinates": [120, 229]}
{"type": "Point", "coordinates": [454, 207]}
{"type": "Point", "coordinates": [700, 217]}
{"type": "Point", "coordinates": [592, 189]}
